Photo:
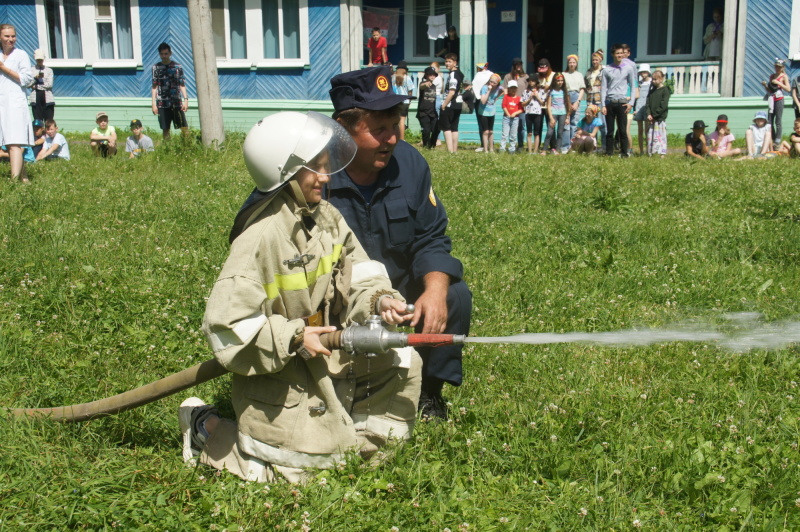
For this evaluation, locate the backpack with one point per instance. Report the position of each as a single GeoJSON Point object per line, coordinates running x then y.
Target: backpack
{"type": "Point", "coordinates": [468, 102]}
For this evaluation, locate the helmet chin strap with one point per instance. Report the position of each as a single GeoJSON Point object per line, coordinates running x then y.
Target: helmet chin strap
{"type": "Point", "coordinates": [300, 197]}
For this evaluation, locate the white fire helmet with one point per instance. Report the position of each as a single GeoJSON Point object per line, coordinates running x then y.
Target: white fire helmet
{"type": "Point", "coordinates": [279, 145]}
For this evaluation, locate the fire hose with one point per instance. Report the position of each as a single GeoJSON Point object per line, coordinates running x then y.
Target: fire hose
{"type": "Point", "coordinates": [370, 339]}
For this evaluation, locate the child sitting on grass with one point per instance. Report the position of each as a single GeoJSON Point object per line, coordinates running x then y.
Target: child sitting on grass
{"type": "Point", "coordinates": [696, 145]}
{"type": "Point", "coordinates": [721, 139]}
{"type": "Point", "coordinates": [585, 140]}
{"type": "Point", "coordinates": [138, 143]}
{"type": "Point", "coordinates": [759, 136]}
{"type": "Point", "coordinates": [793, 146]}
{"type": "Point", "coordinates": [103, 137]}
{"type": "Point", "coordinates": [55, 145]}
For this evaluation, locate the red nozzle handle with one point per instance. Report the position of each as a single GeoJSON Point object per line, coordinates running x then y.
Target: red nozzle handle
{"type": "Point", "coordinates": [429, 340]}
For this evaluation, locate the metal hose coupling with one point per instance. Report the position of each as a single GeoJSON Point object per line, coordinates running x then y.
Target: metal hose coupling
{"type": "Point", "coordinates": [372, 339]}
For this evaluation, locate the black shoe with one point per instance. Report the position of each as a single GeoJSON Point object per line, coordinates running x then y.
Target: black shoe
{"type": "Point", "coordinates": [432, 407]}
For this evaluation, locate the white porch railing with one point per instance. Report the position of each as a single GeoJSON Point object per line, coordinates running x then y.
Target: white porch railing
{"type": "Point", "coordinates": [691, 77]}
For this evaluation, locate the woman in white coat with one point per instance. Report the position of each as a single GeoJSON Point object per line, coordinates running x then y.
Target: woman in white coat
{"type": "Point", "coordinates": [15, 121]}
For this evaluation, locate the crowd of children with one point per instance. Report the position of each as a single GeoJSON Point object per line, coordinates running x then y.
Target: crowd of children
{"type": "Point", "coordinates": [50, 145]}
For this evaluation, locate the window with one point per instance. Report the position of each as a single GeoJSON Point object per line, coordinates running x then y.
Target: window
{"type": "Point", "coordinates": [260, 32]}
{"type": "Point", "coordinates": [90, 32]}
{"type": "Point", "coordinates": [670, 29]}
{"type": "Point", "coordinates": [417, 43]}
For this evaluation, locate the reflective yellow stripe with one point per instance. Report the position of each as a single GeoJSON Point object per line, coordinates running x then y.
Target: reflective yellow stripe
{"type": "Point", "coordinates": [302, 280]}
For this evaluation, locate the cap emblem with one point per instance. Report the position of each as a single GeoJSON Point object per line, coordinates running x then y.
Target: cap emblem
{"type": "Point", "coordinates": [382, 83]}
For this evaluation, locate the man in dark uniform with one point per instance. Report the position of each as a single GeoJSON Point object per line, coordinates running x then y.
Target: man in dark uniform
{"type": "Point", "coordinates": [387, 199]}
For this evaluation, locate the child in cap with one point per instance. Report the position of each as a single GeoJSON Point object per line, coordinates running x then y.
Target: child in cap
{"type": "Point", "coordinates": [778, 84]}
{"type": "Point", "coordinates": [103, 137]}
{"type": "Point", "coordinates": [55, 145]}
{"type": "Point", "coordinates": [759, 135]}
{"type": "Point", "coordinates": [696, 145]}
{"type": "Point", "coordinates": [38, 136]}
{"type": "Point", "coordinates": [721, 140]}
{"type": "Point", "coordinates": [511, 111]}
{"type": "Point", "coordinates": [426, 110]}
{"type": "Point", "coordinates": [138, 143]}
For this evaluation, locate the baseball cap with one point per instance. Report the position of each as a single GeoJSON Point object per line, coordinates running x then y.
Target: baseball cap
{"type": "Point", "coordinates": [402, 64]}
{"type": "Point", "coordinates": [544, 64]}
{"type": "Point", "coordinates": [722, 119]}
{"type": "Point", "coordinates": [136, 123]}
{"type": "Point", "coordinates": [512, 83]}
{"type": "Point", "coordinates": [38, 54]}
{"type": "Point", "coordinates": [516, 61]}
{"type": "Point", "coordinates": [100, 114]}
{"type": "Point", "coordinates": [430, 71]}
{"type": "Point", "coordinates": [760, 114]}
{"type": "Point", "coordinates": [699, 124]}
{"type": "Point", "coordinates": [37, 123]}
{"type": "Point", "coordinates": [368, 89]}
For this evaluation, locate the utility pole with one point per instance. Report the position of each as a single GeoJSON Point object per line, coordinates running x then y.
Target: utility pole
{"type": "Point", "coordinates": [205, 71]}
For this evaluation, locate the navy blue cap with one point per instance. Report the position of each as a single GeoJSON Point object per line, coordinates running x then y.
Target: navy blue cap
{"type": "Point", "coordinates": [38, 123]}
{"type": "Point", "coordinates": [369, 89]}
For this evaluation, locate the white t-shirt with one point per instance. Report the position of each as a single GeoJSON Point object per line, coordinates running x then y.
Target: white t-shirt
{"type": "Point", "coordinates": [758, 135]}
{"type": "Point", "coordinates": [62, 152]}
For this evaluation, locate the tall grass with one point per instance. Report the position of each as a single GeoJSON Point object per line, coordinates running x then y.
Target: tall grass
{"type": "Point", "coordinates": [106, 265]}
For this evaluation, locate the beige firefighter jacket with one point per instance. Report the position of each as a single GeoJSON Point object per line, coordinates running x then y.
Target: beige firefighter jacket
{"type": "Point", "coordinates": [278, 272]}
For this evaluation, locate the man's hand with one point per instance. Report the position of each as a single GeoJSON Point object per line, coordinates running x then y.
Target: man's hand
{"type": "Point", "coordinates": [155, 109]}
{"type": "Point", "coordinates": [627, 107]}
{"type": "Point", "coordinates": [311, 340]}
{"type": "Point", "coordinates": [184, 105]}
{"type": "Point", "coordinates": [432, 304]}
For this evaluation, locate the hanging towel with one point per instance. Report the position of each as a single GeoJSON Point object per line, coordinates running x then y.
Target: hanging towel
{"type": "Point", "coordinates": [437, 27]}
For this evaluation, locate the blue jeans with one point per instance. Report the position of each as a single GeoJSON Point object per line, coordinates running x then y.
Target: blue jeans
{"type": "Point", "coordinates": [510, 127]}
{"type": "Point", "coordinates": [569, 130]}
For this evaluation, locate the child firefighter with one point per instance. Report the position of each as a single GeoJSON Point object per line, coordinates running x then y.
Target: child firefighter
{"type": "Point", "coordinates": [296, 271]}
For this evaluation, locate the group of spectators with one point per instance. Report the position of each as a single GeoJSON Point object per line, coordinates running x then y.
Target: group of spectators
{"type": "Point", "coordinates": [25, 140]}
{"type": "Point", "coordinates": [543, 111]}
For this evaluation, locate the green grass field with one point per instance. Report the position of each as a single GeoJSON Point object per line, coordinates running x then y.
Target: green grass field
{"type": "Point", "coordinates": [106, 265]}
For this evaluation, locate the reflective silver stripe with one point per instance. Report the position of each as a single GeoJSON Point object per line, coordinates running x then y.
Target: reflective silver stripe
{"type": "Point", "coordinates": [367, 269]}
{"type": "Point", "coordinates": [240, 334]}
{"type": "Point", "coordinates": [383, 426]}
{"type": "Point", "coordinates": [286, 457]}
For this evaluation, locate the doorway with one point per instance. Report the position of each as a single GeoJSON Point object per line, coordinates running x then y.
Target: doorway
{"type": "Point", "coordinates": [546, 34]}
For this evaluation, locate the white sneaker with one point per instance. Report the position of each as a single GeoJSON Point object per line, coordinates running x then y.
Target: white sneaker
{"type": "Point", "coordinates": [186, 420]}
{"type": "Point", "coordinates": [479, 149]}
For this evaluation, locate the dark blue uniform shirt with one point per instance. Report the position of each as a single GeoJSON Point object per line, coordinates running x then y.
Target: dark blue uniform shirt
{"type": "Point", "coordinates": [404, 225]}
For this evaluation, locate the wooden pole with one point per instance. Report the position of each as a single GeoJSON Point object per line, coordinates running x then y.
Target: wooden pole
{"type": "Point", "coordinates": [205, 71]}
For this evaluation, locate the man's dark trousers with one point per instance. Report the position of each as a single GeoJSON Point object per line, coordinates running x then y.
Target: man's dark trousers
{"type": "Point", "coordinates": [617, 114]}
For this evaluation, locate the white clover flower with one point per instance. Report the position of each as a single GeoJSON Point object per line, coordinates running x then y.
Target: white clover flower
{"type": "Point", "coordinates": [636, 523]}
{"type": "Point", "coordinates": [553, 438]}
{"type": "Point", "coordinates": [583, 512]}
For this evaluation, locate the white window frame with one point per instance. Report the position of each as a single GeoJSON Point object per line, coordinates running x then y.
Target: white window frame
{"type": "Point", "coordinates": [255, 39]}
{"type": "Point", "coordinates": [89, 43]}
{"type": "Point", "coordinates": [696, 54]}
{"type": "Point", "coordinates": [408, 30]}
{"type": "Point", "coordinates": [794, 34]}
